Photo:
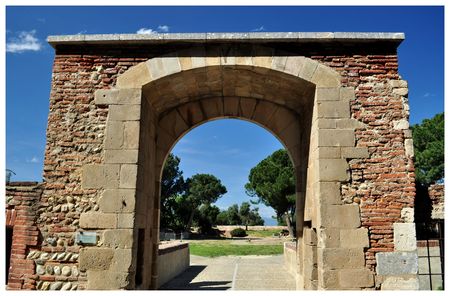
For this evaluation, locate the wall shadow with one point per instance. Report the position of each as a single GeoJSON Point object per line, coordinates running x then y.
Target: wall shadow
{"type": "Point", "coordinates": [183, 281]}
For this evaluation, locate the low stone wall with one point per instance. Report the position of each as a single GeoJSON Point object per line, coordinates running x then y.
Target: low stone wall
{"type": "Point", "coordinates": [173, 259]}
{"type": "Point", "coordinates": [257, 227]}
{"type": "Point", "coordinates": [290, 257]}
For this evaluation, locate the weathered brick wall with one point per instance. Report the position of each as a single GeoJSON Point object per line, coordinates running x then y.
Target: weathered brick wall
{"type": "Point", "coordinates": [382, 184]}
{"type": "Point", "coordinates": [21, 212]}
{"type": "Point", "coordinates": [437, 194]}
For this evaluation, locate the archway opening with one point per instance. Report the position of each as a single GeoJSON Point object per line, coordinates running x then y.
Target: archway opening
{"type": "Point", "coordinates": [223, 150]}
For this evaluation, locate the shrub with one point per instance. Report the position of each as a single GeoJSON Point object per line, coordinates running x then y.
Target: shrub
{"type": "Point", "coordinates": [238, 232]}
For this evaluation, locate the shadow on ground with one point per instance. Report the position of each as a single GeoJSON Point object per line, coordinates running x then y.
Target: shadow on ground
{"type": "Point", "coordinates": [184, 281]}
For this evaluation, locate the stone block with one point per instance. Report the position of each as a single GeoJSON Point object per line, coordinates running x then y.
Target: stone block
{"type": "Point", "coordinates": [396, 263]}
{"type": "Point", "coordinates": [405, 237]}
{"type": "Point", "coordinates": [354, 152]}
{"type": "Point", "coordinates": [347, 93]}
{"type": "Point", "coordinates": [231, 106]}
{"type": "Point", "coordinates": [114, 134]}
{"type": "Point", "coordinates": [341, 258]}
{"type": "Point", "coordinates": [327, 94]}
{"type": "Point", "coordinates": [278, 63]}
{"type": "Point", "coordinates": [198, 61]}
{"type": "Point", "coordinates": [398, 83]}
{"type": "Point", "coordinates": [262, 57]}
{"type": "Point", "coordinates": [356, 278]}
{"type": "Point", "coordinates": [125, 220]}
{"type": "Point", "coordinates": [121, 156]}
{"type": "Point", "coordinates": [294, 64]}
{"type": "Point", "coordinates": [403, 91]}
{"type": "Point", "coordinates": [407, 214]}
{"type": "Point", "coordinates": [400, 283]}
{"type": "Point", "coordinates": [191, 113]}
{"type": "Point", "coordinates": [107, 280]}
{"type": "Point", "coordinates": [91, 220]}
{"type": "Point", "coordinates": [354, 238]}
{"type": "Point", "coordinates": [329, 193]}
{"type": "Point", "coordinates": [100, 176]}
{"type": "Point", "coordinates": [118, 96]}
{"type": "Point", "coordinates": [124, 112]}
{"type": "Point", "coordinates": [173, 123]}
{"type": "Point", "coordinates": [185, 63]}
{"type": "Point", "coordinates": [333, 109]}
{"type": "Point", "coordinates": [308, 69]}
{"type": "Point", "coordinates": [333, 170]}
{"type": "Point", "coordinates": [95, 259]}
{"type": "Point", "coordinates": [309, 237]}
{"type": "Point", "coordinates": [134, 77]}
{"type": "Point", "coordinates": [213, 107]}
{"type": "Point", "coordinates": [128, 176]}
{"type": "Point", "coordinates": [401, 124]}
{"type": "Point", "coordinates": [122, 261]}
{"type": "Point", "coordinates": [342, 216]}
{"type": "Point", "coordinates": [328, 152]}
{"type": "Point", "coordinates": [325, 77]}
{"type": "Point", "coordinates": [349, 123]}
{"type": "Point", "coordinates": [117, 201]}
{"type": "Point", "coordinates": [323, 123]}
{"type": "Point", "coordinates": [131, 135]}
{"type": "Point", "coordinates": [118, 238]}
{"type": "Point", "coordinates": [328, 279]}
{"type": "Point", "coordinates": [409, 147]}
{"type": "Point", "coordinates": [328, 238]}
{"type": "Point", "coordinates": [247, 107]}
{"type": "Point", "coordinates": [163, 66]}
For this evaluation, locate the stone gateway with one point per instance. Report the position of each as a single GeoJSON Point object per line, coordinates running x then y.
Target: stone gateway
{"type": "Point", "coordinates": [119, 103]}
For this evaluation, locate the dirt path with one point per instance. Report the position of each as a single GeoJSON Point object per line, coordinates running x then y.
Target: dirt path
{"type": "Point", "coordinates": [234, 273]}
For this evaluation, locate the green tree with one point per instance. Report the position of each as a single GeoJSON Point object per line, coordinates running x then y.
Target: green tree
{"type": "Point", "coordinates": [172, 186]}
{"type": "Point", "coordinates": [201, 189]}
{"type": "Point", "coordinates": [428, 139]}
{"type": "Point", "coordinates": [249, 216]}
{"type": "Point", "coordinates": [273, 182]}
{"type": "Point", "coordinates": [206, 217]}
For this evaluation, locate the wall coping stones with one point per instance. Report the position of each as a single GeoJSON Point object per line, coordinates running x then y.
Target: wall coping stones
{"type": "Point", "coordinates": [254, 37]}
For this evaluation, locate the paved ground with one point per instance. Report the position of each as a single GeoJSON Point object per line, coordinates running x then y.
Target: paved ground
{"type": "Point", "coordinates": [234, 273]}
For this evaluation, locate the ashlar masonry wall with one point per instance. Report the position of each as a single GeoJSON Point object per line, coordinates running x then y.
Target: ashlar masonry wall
{"type": "Point", "coordinates": [379, 186]}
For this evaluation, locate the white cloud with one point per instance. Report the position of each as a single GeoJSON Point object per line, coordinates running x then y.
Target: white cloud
{"type": "Point", "coordinates": [82, 32]}
{"type": "Point", "coordinates": [26, 41]}
{"type": "Point", "coordinates": [163, 28]}
{"type": "Point", "coordinates": [259, 29]}
{"type": "Point", "coordinates": [145, 31]}
{"type": "Point", "coordinates": [33, 160]}
{"type": "Point", "coordinates": [427, 95]}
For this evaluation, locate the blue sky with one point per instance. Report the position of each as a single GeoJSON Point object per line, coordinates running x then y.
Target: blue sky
{"type": "Point", "coordinates": [238, 145]}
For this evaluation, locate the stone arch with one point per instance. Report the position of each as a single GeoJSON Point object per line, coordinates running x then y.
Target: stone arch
{"type": "Point", "coordinates": [156, 101]}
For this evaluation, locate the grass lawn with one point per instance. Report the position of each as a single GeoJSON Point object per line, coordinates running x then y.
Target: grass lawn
{"type": "Point", "coordinates": [262, 233]}
{"type": "Point", "coordinates": [226, 249]}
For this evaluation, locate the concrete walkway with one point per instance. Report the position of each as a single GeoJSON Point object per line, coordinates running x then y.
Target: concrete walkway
{"type": "Point", "coordinates": [234, 273]}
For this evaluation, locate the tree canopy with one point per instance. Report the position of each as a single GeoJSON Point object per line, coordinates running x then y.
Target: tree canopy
{"type": "Point", "coordinates": [243, 215]}
{"type": "Point", "coordinates": [172, 185]}
{"type": "Point", "coordinates": [202, 189]}
{"type": "Point", "coordinates": [428, 139]}
{"type": "Point", "coordinates": [273, 182]}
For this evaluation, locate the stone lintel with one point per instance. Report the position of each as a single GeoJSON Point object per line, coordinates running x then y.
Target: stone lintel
{"type": "Point", "coordinates": [253, 37]}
